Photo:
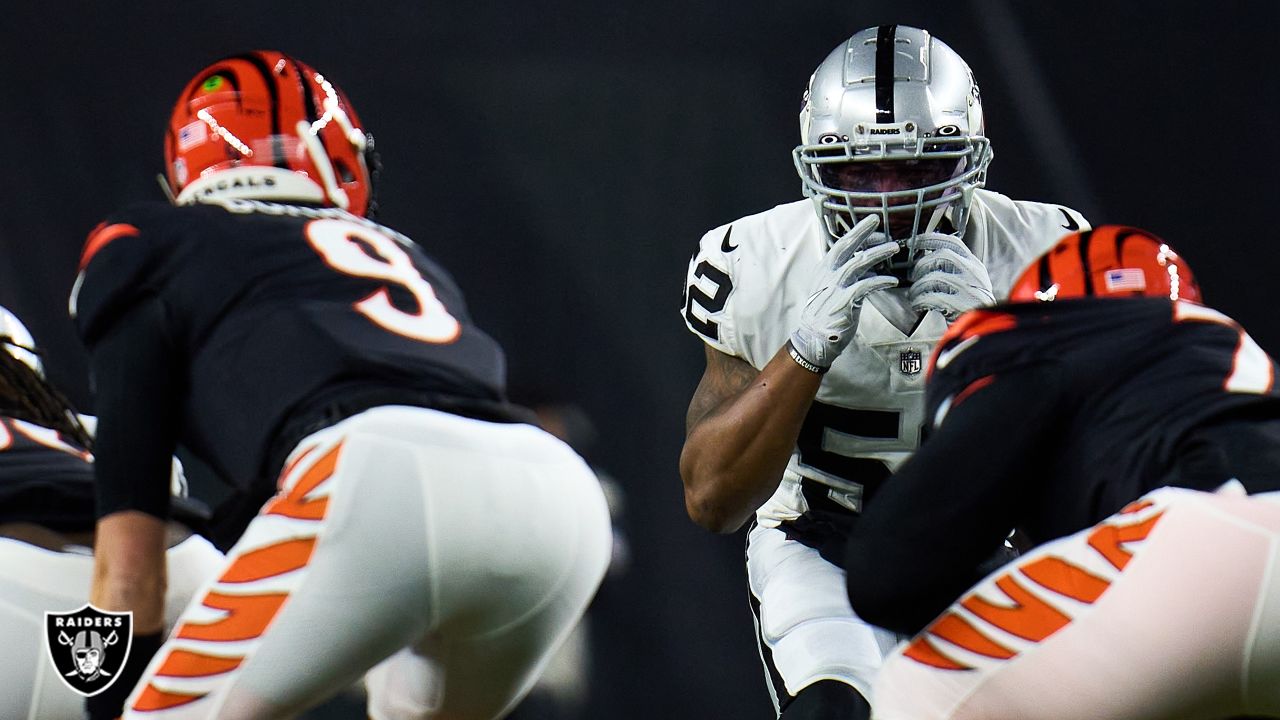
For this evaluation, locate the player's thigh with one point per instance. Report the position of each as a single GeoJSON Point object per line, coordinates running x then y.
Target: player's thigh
{"type": "Point", "coordinates": [1096, 624]}
{"type": "Point", "coordinates": [806, 629]}
{"type": "Point", "coordinates": [521, 541]}
{"type": "Point", "coordinates": [327, 580]}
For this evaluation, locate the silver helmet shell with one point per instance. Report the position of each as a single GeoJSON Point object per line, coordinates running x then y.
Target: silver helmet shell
{"type": "Point", "coordinates": [18, 342]}
{"type": "Point", "coordinates": [893, 94]}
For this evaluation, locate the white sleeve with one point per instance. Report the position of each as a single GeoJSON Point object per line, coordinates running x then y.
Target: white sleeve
{"type": "Point", "coordinates": [708, 308]}
{"type": "Point", "coordinates": [1021, 231]}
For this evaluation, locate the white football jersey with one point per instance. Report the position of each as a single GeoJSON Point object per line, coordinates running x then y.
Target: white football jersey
{"type": "Point", "coordinates": [747, 285]}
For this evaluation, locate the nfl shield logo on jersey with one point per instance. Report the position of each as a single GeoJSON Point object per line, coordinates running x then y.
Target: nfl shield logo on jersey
{"type": "Point", "coordinates": [909, 362]}
{"type": "Point", "coordinates": [88, 646]}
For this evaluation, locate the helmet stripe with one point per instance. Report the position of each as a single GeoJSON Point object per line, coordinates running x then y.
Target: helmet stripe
{"type": "Point", "coordinates": [885, 40]}
{"type": "Point", "coordinates": [1046, 274]}
{"type": "Point", "coordinates": [277, 153]}
{"type": "Point", "coordinates": [308, 101]}
{"type": "Point", "coordinates": [1085, 265]}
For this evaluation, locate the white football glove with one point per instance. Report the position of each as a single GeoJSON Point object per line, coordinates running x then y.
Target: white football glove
{"type": "Point", "coordinates": [843, 281]}
{"type": "Point", "coordinates": [949, 278]}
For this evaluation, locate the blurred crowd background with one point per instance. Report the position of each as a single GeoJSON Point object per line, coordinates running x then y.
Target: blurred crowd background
{"type": "Point", "coordinates": [563, 158]}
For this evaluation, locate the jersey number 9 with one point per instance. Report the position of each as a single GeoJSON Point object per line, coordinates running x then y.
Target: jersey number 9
{"type": "Point", "coordinates": [339, 242]}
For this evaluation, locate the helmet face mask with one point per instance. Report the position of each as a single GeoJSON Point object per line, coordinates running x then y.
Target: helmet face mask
{"type": "Point", "coordinates": [265, 126]}
{"type": "Point", "coordinates": [892, 126]}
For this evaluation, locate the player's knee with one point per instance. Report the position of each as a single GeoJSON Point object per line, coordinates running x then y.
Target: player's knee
{"type": "Point", "coordinates": [827, 700]}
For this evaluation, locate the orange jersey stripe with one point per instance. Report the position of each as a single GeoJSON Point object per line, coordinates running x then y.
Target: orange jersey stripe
{"type": "Point", "coordinates": [269, 561]}
{"type": "Point", "coordinates": [972, 388]}
{"type": "Point", "coordinates": [247, 618]}
{"type": "Point", "coordinates": [101, 236]}
{"type": "Point", "coordinates": [1030, 617]}
{"type": "Point", "coordinates": [972, 324]}
{"type": "Point", "coordinates": [184, 663]}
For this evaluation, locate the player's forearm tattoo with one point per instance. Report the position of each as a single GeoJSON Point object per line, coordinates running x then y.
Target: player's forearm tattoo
{"type": "Point", "coordinates": [725, 377]}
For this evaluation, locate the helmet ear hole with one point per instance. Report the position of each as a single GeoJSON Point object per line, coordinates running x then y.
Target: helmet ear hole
{"type": "Point", "coordinates": [344, 172]}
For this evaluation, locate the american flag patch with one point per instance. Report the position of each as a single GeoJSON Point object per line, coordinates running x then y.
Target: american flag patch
{"type": "Point", "coordinates": [192, 134]}
{"type": "Point", "coordinates": [1125, 279]}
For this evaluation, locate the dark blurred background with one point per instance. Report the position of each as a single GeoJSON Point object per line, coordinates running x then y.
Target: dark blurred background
{"type": "Point", "coordinates": [563, 158]}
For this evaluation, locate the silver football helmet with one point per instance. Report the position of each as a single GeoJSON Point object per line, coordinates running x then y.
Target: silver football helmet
{"type": "Point", "coordinates": [17, 341]}
{"type": "Point", "coordinates": [892, 126]}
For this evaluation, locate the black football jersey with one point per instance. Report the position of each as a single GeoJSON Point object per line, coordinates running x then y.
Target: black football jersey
{"type": "Point", "coordinates": [1133, 386]}
{"type": "Point", "coordinates": [44, 478]}
{"type": "Point", "coordinates": [264, 306]}
{"type": "Point", "coordinates": [1048, 418]}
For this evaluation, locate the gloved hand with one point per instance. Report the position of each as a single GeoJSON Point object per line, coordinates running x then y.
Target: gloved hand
{"type": "Point", "coordinates": [844, 279]}
{"type": "Point", "coordinates": [949, 278]}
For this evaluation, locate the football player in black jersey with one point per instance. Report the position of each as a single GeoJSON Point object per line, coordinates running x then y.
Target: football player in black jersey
{"type": "Point", "coordinates": [1134, 435]}
{"type": "Point", "coordinates": [262, 321]}
{"type": "Point", "coordinates": [46, 529]}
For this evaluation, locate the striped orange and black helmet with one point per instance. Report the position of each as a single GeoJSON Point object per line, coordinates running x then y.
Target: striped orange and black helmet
{"type": "Point", "coordinates": [1109, 261]}
{"type": "Point", "coordinates": [262, 125]}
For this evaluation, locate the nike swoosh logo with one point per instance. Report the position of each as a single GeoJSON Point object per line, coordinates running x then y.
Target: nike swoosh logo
{"type": "Point", "coordinates": [1071, 225]}
{"type": "Point", "coordinates": [724, 244]}
{"type": "Point", "coordinates": [946, 356]}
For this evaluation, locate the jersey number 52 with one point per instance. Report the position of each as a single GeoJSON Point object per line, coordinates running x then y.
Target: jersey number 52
{"type": "Point", "coordinates": [343, 243]}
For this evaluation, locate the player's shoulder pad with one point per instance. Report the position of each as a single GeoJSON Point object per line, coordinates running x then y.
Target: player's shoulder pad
{"type": "Point", "coordinates": [1051, 219]}
{"type": "Point", "coordinates": [727, 258]}
{"type": "Point", "coordinates": [708, 286]}
{"type": "Point", "coordinates": [117, 258]}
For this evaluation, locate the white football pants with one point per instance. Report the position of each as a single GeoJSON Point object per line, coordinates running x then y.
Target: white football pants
{"type": "Point", "coordinates": [805, 629]}
{"type": "Point", "coordinates": [1168, 610]}
{"type": "Point", "coordinates": [451, 553]}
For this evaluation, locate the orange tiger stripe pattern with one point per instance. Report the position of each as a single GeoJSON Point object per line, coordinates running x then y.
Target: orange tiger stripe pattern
{"type": "Point", "coordinates": [245, 614]}
{"type": "Point", "coordinates": [1023, 613]}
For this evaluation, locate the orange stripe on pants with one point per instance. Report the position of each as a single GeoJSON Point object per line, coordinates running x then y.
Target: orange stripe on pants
{"type": "Point", "coordinates": [185, 663]}
{"type": "Point", "coordinates": [248, 616]}
{"type": "Point", "coordinates": [1066, 579]}
{"type": "Point", "coordinates": [269, 561]}
{"type": "Point", "coordinates": [1108, 539]}
{"type": "Point", "coordinates": [1030, 617]}
{"type": "Point", "coordinates": [295, 504]}
{"type": "Point", "coordinates": [152, 699]}
{"type": "Point", "coordinates": [923, 651]}
{"type": "Point", "coordinates": [959, 632]}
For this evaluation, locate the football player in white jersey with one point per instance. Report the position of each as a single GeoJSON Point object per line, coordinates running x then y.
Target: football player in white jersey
{"type": "Point", "coordinates": [817, 325]}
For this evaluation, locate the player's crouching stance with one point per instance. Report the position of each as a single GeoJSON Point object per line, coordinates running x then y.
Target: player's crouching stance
{"type": "Point", "coordinates": [1139, 445]}
{"type": "Point", "coordinates": [816, 327]}
{"type": "Point", "coordinates": [307, 349]}
{"type": "Point", "coordinates": [46, 532]}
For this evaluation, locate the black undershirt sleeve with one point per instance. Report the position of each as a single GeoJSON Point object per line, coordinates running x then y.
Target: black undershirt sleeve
{"type": "Point", "coordinates": [138, 386]}
{"type": "Point", "coordinates": [931, 528]}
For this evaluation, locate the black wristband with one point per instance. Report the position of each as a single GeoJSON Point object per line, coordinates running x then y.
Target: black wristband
{"type": "Point", "coordinates": [795, 355]}
{"type": "Point", "coordinates": [109, 704]}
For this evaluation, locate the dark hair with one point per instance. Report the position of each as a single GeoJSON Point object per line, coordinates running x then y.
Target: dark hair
{"type": "Point", "coordinates": [25, 395]}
